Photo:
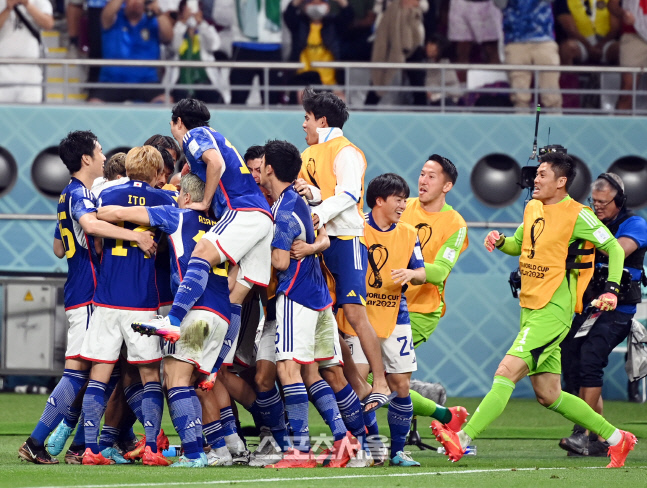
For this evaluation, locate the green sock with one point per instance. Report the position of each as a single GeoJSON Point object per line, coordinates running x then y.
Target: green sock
{"type": "Point", "coordinates": [369, 379]}
{"type": "Point", "coordinates": [427, 408]}
{"type": "Point", "coordinates": [490, 407]}
{"type": "Point", "coordinates": [579, 412]}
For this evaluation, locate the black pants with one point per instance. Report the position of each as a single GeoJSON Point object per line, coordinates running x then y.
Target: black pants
{"type": "Point", "coordinates": [239, 76]}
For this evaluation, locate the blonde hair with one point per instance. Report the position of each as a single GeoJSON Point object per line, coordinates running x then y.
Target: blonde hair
{"type": "Point", "coordinates": [144, 163]}
{"type": "Point", "coordinates": [115, 166]}
{"type": "Point", "coordinates": [193, 186]}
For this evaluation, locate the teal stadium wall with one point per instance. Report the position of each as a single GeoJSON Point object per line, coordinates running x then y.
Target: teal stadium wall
{"type": "Point", "coordinates": [482, 317]}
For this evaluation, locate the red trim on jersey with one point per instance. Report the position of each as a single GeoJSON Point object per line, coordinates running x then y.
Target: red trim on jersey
{"type": "Point", "coordinates": [150, 361]}
{"type": "Point", "coordinates": [79, 305]}
{"type": "Point", "coordinates": [202, 371]}
{"type": "Point", "coordinates": [126, 308]}
{"type": "Point", "coordinates": [177, 261]}
{"type": "Point", "coordinates": [225, 364]}
{"type": "Point", "coordinates": [94, 276]}
{"type": "Point", "coordinates": [262, 285]}
{"type": "Point", "coordinates": [103, 361]}
{"type": "Point", "coordinates": [227, 255]}
{"type": "Point", "coordinates": [76, 356]}
{"type": "Point", "coordinates": [242, 363]}
{"type": "Point", "coordinates": [325, 308]}
{"type": "Point", "coordinates": [212, 311]}
{"type": "Point", "coordinates": [296, 273]}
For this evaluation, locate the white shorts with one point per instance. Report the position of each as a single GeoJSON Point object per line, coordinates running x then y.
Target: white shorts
{"type": "Point", "coordinates": [79, 321]}
{"type": "Point", "coordinates": [110, 327]}
{"type": "Point", "coordinates": [249, 326]}
{"type": "Point", "coordinates": [473, 21]}
{"type": "Point", "coordinates": [203, 355]}
{"type": "Point", "coordinates": [398, 354]}
{"type": "Point", "coordinates": [266, 342]}
{"type": "Point", "coordinates": [296, 332]}
{"type": "Point", "coordinates": [245, 238]}
{"type": "Point", "coordinates": [326, 335]}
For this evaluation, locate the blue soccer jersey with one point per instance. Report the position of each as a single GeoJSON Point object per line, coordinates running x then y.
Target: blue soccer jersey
{"type": "Point", "coordinates": [237, 189]}
{"type": "Point", "coordinates": [82, 260]}
{"type": "Point", "coordinates": [127, 279]}
{"type": "Point", "coordinates": [303, 281]}
{"type": "Point", "coordinates": [163, 266]}
{"type": "Point", "coordinates": [185, 228]}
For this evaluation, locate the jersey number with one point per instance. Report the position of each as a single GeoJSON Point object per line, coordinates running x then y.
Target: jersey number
{"type": "Point", "coordinates": [243, 167]}
{"type": "Point", "coordinates": [525, 334]}
{"type": "Point", "coordinates": [404, 340]}
{"type": "Point", "coordinates": [66, 237]}
{"type": "Point", "coordinates": [119, 249]}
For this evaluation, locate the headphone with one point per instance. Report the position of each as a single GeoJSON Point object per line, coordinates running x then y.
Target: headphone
{"type": "Point", "coordinates": [620, 199]}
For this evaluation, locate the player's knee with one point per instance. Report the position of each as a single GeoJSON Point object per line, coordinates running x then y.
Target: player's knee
{"type": "Point", "coordinates": [334, 376]}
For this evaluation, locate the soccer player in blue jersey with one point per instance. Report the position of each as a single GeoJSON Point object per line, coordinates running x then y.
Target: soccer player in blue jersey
{"type": "Point", "coordinates": [244, 230]}
{"type": "Point", "coordinates": [77, 226]}
{"type": "Point", "coordinates": [126, 293]}
{"type": "Point", "coordinates": [205, 326]}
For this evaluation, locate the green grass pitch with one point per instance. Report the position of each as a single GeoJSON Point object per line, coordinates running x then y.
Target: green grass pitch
{"type": "Point", "coordinates": [518, 450]}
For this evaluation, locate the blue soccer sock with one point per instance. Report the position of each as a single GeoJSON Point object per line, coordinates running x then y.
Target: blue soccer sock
{"type": "Point", "coordinates": [152, 407]}
{"type": "Point", "coordinates": [323, 399]}
{"type": "Point", "coordinates": [197, 407]}
{"type": "Point", "coordinates": [214, 434]}
{"type": "Point", "coordinates": [94, 405]}
{"type": "Point", "coordinates": [351, 412]}
{"type": "Point", "coordinates": [228, 421]}
{"type": "Point", "coordinates": [109, 436]}
{"type": "Point", "coordinates": [114, 379]}
{"type": "Point", "coordinates": [370, 421]}
{"type": "Point", "coordinates": [192, 287]}
{"type": "Point", "coordinates": [272, 413]}
{"type": "Point", "coordinates": [58, 403]}
{"type": "Point", "coordinates": [230, 337]}
{"type": "Point", "coordinates": [184, 416]}
{"type": "Point", "coordinates": [399, 417]}
{"type": "Point", "coordinates": [134, 394]}
{"type": "Point", "coordinates": [256, 414]}
{"type": "Point", "coordinates": [296, 406]}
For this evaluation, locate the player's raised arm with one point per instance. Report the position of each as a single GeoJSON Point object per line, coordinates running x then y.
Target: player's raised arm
{"type": "Point", "coordinates": [215, 165]}
{"type": "Point", "coordinates": [99, 228]}
{"type": "Point", "coordinates": [116, 213]}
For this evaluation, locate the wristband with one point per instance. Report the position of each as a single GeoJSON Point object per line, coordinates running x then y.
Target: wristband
{"type": "Point", "coordinates": [500, 241]}
{"type": "Point", "coordinates": [612, 287]}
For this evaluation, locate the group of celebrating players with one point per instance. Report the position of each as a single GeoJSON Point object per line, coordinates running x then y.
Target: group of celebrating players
{"type": "Point", "coordinates": [346, 299]}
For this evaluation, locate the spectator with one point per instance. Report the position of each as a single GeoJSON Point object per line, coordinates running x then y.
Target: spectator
{"type": "Point", "coordinates": [20, 25]}
{"type": "Point", "coordinates": [315, 37]}
{"type": "Point", "coordinates": [633, 43]}
{"type": "Point", "coordinates": [528, 35]}
{"type": "Point", "coordinates": [588, 36]}
{"type": "Point", "coordinates": [132, 29]}
{"type": "Point", "coordinates": [474, 22]}
{"type": "Point", "coordinates": [435, 47]}
{"type": "Point", "coordinates": [195, 40]}
{"type": "Point", "coordinates": [399, 38]}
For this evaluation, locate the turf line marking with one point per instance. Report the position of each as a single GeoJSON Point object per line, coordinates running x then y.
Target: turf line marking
{"type": "Point", "coordinates": [323, 478]}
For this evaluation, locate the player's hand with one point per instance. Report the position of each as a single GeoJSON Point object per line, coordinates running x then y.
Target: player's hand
{"type": "Point", "coordinates": [492, 240]}
{"type": "Point", "coordinates": [146, 242]}
{"type": "Point", "coordinates": [402, 276]}
{"type": "Point", "coordinates": [301, 249]}
{"type": "Point", "coordinates": [315, 221]}
{"type": "Point", "coordinates": [605, 302]}
{"type": "Point", "coordinates": [302, 188]}
{"type": "Point", "coordinates": [199, 206]}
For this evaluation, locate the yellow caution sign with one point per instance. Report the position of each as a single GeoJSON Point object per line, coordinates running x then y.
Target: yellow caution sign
{"type": "Point", "coordinates": [29, 297]}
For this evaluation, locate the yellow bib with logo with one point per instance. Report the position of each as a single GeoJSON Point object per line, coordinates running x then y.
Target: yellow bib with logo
{"type": "Point", "coordinates": [433, 230]}
{"type": "Point", "coordinates": [386, 251]}
{"type": "Point", "coordinates": [317, 167]}
{"type": "Point", "coordinates": [596, 22]}
{"type": "Point", "coordinates": [547, 230]}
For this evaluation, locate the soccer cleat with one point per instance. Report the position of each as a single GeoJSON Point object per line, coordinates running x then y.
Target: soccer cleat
{"type": "Point", "coordinates": [403, 459]}
{"type": "Point", "coordinates": [159, 326]}
{"type": "Point", "coordinates": [236, 446]}
{"type": "Point", "coordinates": [57, 440]}
{"type": "Point", "coordinates": [339, 455]}
{"type": "Point", "coordinates": [115, 455]}
{"type": "Point", "coordinates": [208, 383]}
{"type": "Point", "coordinates": [598, 448]}
{"type": "Point", "coordinates": [294, 458]}
{"type": "Point", "coordinates": [266, 453]}
{"type": "Point", "coordinates": [459, 416]}
{"type": "Point", "coordinates": [138, 451]}
{"type": "Point", "coordinates": [162, 441]}
{"type": "Point", "coordinates": [35, 454]}
{"type": "Point", "coordinates": [449, 439]}
{"type": "Point", "coordinates": [73, 457]}
{"type": "Point", "coordinates": [92, 459]}
{"type": "Point", "coordinates": [185, 462]}
{"type": "Point", "coordinates": [577, 443]}
{"type": "Point", "coordinates": [619, 452]}
{"type": "Point", "coordinates": [219, 457]}
{"type": "Point", "coordinates": [151, 458]}
{"type": "Point", "coordinates": [362, 459]}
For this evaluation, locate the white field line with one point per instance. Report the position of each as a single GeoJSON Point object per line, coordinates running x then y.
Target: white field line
{"type": "Point", "coordinates": [323, 478]}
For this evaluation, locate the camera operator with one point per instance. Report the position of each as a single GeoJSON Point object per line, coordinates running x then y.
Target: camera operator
{"type": "Point", "coordinates": [594, 334]}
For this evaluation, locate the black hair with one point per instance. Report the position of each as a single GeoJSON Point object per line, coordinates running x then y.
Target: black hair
{"type": "Point", "coordinates": [384, 186]}
{"type": "Point", "coordinates": [562, 165]}
{"type": "Point", "coordinates": [167, 142]}
{"type": "Point", "coordinates": [284, 158]}
{"type": "Point", "coordinates": [326, 104]}
{"type": "Point", "coordinates": [193, 113]}
{"type": "Point", "coordinates": [254, 152]}
{"type": "Point", "coordinates": [169, 165]}
{"type": "Point", "coordinates": [448, 167]}
{"type": "Point", "coordinates": [73, 146]}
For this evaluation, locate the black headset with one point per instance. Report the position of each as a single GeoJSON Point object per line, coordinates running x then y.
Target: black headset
{"type": "Point", "coordinates": [620, 198]}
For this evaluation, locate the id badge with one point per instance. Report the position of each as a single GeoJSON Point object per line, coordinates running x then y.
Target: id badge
{"type": "Point", "coordinates": [588, 323]}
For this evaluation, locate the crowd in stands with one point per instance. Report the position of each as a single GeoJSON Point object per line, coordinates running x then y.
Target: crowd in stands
{"type": "Point", "coordinates": [519, 32]}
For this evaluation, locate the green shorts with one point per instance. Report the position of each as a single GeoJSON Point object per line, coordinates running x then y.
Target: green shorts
{"type": "Point", "coordinates": [423, 325]}
{"type": "Point", "coordinates": [542, 331]}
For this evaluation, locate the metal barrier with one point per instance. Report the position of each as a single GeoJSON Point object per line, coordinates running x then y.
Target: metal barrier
{"type": "Point", "coordinates": [638, 94]}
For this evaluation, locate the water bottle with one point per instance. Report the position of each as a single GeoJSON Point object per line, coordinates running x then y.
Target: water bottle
{"type": "Point", "coordinates": [469, 450]}
{"type": "Point", "coordinates": [172, 451]}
